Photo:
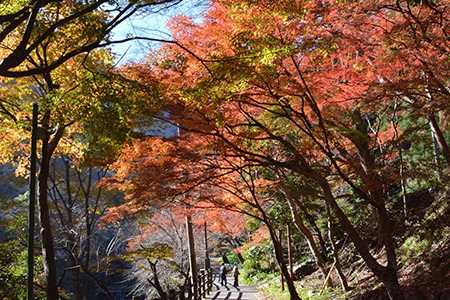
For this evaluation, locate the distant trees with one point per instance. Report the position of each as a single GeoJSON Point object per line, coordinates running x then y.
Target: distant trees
{"type": "Point", "coordinates": [77, 205]}
{"type": "Point", "coordinates": [159, 252]}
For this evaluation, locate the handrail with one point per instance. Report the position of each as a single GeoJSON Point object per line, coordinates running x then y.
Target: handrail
{"type": "Point", "coordinates": [199, 290]}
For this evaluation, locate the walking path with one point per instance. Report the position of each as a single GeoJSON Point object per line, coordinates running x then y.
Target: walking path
{"type": "Point", "coordinates": [229, 292]}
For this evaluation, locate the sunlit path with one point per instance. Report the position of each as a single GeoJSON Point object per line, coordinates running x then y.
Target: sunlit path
{"type": "Point", "coordinates": [229, 292]}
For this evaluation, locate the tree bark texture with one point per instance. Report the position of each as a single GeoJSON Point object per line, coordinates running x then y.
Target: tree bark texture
{"type": "Point", "coordinates": [337, 262]}
{"type": "Point", "coordinates": [48, 251]}
{"type": "Point", "coordinates": [437, 132]}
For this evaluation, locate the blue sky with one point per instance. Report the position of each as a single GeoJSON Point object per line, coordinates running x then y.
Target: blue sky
{"type": "Point", "coordinates": [150, 25]}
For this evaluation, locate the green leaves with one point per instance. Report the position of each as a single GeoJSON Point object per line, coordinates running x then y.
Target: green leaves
{"type": "Point", "coordinates": [114, 107]}
{"type": "Point", "coordinates": [13, 271]}
{"type": "Point", "coordinates": [11, 6]}
{"type": "Point", "coordinates": [153, 254]}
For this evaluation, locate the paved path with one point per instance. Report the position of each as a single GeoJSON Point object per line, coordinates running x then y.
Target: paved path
{"type": "Point", "coordinates": [242, 292]}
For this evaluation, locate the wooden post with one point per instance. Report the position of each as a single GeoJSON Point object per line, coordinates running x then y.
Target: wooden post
{"type": "Point", "coordinates": [202, 283]}
{"type": "Point", "coordinates": [207, 261]}
{"type": "Point", "coordinates": [31, 212]}
{"type": "Point", "coordinates": [326, 279]}
{"type": "Point", "coordinates": [192, 259]}
{"type": "Point", "coordinates": [209, 280]}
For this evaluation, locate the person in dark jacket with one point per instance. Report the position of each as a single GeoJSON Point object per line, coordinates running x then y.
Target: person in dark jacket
{"type": "Point", "coordinates": [236, 275]}
{"type": "Point", "coordinates": [223, 275]}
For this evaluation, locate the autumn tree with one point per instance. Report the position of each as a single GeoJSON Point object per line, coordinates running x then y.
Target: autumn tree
{"type": "Point", "coordinates": [79, 95]}
{"type": "Point", "coordinates": [34, 28]}
{"type": "Point", "coordinates": [335, 84]}
{"type": "Point", "coordinates": [49, 40]}
{"type": "Point", "coordinates": [34, 45]}
{"type": "Point", "coordinates": [158, 173]}
{"type": "Point", "coordinates": [160, 250]}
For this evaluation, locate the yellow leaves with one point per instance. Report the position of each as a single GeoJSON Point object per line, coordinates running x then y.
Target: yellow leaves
{"type": "Point", "coordinates": [57, 33]}
{"type": "Point", "coordinates": [153, 253]}
{"type": "Point", "coordinates": [11, 6]}
{"type": "Point", "coordinates": [71, 147]}
{"type": "Point", "coordinates": [14, 145]}
{"type": "Point", "coordinates": [8, 138]}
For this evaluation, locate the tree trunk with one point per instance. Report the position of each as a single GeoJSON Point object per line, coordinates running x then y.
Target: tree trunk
{"type": "Point", "coordinates": [401, 169]}
{"type": "Point", "coordinates": [392, 286]}
{"type": "Point", "coordinates": [337, 263]}
{"type": "Point", "coordinates": [312, 223]}
{"type": "Point", "coordinates": [86, 257]}
{"type": "Point", "coordinates": [390, 279]}
{"type": "Point", "coordinates": [48, 251]}
{"type": "Point", "coordinates": [305, 232]}
{"type": "Point", "coordinates": [79, 292]}
{"type": "Point", "coordinates": [278, 249]}
{"type": "Point", "coordinates": [313, 247]}
{"type": "Point", "coordinates": [387, 275]}
{"type": "Point", "coordinates": [436, 154]}
{"type": "Point", "coordinates": [437, 132]}
{"type": "Point", "coordinates": [155, 282]}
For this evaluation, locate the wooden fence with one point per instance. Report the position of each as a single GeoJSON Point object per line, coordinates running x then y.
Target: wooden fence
{"type": "Point", "coordinates": [197, 291]}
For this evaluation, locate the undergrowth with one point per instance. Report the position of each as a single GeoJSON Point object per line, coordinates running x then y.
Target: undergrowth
{"type": "Point", "coordinates": [271, 288]}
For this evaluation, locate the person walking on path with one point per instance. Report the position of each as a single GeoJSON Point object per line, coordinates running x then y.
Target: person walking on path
{"type": "Point", "coordinates": [236, 275]}
{"type": "Point", "coordinates": [223, 275]}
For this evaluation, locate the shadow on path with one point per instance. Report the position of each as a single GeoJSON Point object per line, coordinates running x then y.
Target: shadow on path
{"type": "Point", "coordinates": [230, 292]}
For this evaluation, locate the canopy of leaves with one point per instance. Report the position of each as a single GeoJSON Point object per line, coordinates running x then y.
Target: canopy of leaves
{"type": "Point", "coordinates": [38, 36]}
{"type": "Point", "coordinates": [326, 90]}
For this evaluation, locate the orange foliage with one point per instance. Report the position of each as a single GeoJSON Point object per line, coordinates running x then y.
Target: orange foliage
{"type": "Point", "coordinates": [292, 83]}
{"type": "Point", "coordinates": [317, 68]}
